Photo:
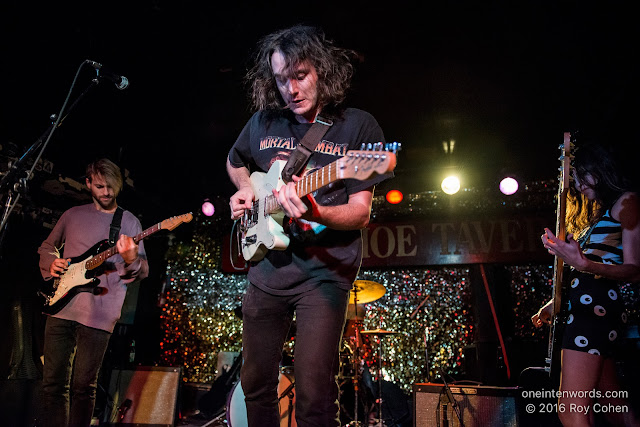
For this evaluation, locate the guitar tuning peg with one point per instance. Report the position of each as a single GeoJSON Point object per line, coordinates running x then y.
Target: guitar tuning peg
{"type": "Point", "coordinates": [369, 146]}
{"type": "Point", "coordinates": [393, 147]}
{"type": "Point", "coordinates": [363, 146]}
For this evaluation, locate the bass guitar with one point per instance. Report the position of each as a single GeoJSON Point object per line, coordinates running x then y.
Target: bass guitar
{"type": "Point", "coordinates": [261, 226]}
{"type": "Point", "coordinates": [558, 266]}
{"type": "Point", "coordinates": [82, 274]}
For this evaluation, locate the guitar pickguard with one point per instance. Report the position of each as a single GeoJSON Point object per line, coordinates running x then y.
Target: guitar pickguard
{"type": "Point", "coordinates": [75, 280]}
{"type": "Point", "coordinates": [265, 231]}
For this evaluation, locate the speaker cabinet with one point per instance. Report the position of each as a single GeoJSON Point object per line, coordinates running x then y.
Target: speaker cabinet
{"type": "Point", "coordinates": [479, 406]}
{"type": "Point", "coordinates": [146, 396]}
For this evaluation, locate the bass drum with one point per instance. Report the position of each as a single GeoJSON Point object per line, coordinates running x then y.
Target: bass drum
{"type": "Point", "coordinates": [237, 410]}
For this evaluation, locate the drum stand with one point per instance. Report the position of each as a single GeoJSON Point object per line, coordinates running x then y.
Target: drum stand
{"type": "Point", "coordinates": [217, 421]}
{"type": "Point", "coordinates": [380, 380]}
{"type": "Point", "coordinates": [289, 393]}
{"type": "Point", "coordinates": [371, 291]}
{"type": "Point", "coordinates": [380, 333]}
{"type": "Point", "coordinates": [356, 364]}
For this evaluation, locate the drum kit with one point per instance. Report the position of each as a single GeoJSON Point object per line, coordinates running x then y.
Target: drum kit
{"type": "Point", "coordinates": [356, 385]}
{"type": "Point", "coordinates": [363, 292]}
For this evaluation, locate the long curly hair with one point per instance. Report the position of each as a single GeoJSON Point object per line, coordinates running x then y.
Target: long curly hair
{"type": "Point", "coordinates": [610, 182]}
{"type": "Point", "coordinates": [298, 44]}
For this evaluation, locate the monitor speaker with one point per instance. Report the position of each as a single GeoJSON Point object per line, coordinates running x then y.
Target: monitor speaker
{"type": "Point", "coordinates": [477, 406]}
{"type": "Point", "coordinates": [146, 396]}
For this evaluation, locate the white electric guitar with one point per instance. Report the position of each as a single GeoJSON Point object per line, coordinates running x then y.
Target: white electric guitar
{"type": "Point", "coordinates": [261, 226]}
{"type": "Point", "coordinates": [82, 274]}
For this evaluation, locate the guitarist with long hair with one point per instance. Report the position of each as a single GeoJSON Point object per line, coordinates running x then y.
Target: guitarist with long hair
{"type": "Point", "coordinates": [76, 336]}
{"type": "Point", "coordinates": [299, 75]}
{"type": "Point", "coordinates": [603, 250]}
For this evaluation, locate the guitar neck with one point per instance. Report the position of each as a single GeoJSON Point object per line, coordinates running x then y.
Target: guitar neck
{"type": "Point", "coordinates": [558, 266]}
{"type": "Point", "coordinates": [104, 255]}
{"type": "Point", "coordinates": [317, 179]}
{"type": "Point", "coordinates": [308, 184]}
{"type": "Point", "coordinates": [561, 212]}
{"type": "Point", "coordinates": [357, 164]}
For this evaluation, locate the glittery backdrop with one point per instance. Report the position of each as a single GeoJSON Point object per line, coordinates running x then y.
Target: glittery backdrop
{"type": "Point", "coordinates": [429, 309]}
{"type": "Point", "coordinates": [198, 317]}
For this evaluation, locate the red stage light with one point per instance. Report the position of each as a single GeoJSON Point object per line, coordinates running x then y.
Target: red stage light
{"type": "Point", "coordinates": [394, 197]}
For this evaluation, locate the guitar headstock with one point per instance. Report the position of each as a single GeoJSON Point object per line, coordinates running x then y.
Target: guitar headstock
{"type": "Point", "coordinates": [371, 159]}
{"type": "Point", "coordinates": [174, 221]}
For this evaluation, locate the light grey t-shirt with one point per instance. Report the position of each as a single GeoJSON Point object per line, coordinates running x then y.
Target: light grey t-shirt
{"type": "Point", "coordinates": [79, 229]}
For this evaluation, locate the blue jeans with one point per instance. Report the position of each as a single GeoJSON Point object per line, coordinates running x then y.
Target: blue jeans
{"type": "Point", "coordinates": [73, 355]}
{"type": "Point", "coordinates": [320, 316]}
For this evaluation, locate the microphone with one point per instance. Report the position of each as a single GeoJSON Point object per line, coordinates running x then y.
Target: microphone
{"type": "Point", "coordinates": [126, 405]}
{"type": "Point", "coordinates": [121, 82]}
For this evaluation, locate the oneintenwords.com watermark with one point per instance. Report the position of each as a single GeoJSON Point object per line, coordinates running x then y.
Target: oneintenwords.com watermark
{"type": "Point", "coordinates": [547, 407]}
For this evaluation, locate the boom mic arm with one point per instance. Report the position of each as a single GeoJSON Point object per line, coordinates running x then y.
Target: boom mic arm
{"type": "Point", "coordinates": [121, 82]}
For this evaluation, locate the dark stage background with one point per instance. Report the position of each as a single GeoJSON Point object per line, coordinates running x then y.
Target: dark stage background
{"type": "Point", "coordinates": [504, 81]}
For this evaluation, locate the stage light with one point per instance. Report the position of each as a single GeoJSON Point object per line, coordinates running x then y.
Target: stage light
{"type": "Point", "coordinates": [451, 184]}
{"type": "Point", "coordinates": [508, 186]}
{"type": "Point", "coordinates": [207, 208]}
{"type": "Point", "coordinates": [394, 197]}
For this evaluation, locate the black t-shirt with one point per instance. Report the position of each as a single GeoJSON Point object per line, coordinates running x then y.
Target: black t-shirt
{"type": "Point", "coordinates": [315, 253]}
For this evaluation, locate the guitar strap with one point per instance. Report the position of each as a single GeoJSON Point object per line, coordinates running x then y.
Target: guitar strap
{"type": "Point", "coordinates": [114, 229]}
{"type": "Point", "coordinates": [305, 148]}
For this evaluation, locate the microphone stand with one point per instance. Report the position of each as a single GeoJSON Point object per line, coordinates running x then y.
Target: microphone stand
{"type": "Point", "coordinates": [452, 402]}
{"type": "Point", "coordinates": [14, 181]}
{"type": "Point", "coordinates": [426, 338]}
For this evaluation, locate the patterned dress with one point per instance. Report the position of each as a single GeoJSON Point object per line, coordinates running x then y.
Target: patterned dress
{"type": "Point", "coordinates": [596, 316]}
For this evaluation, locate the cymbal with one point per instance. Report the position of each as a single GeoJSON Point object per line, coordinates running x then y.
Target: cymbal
{"type": "Point", "coordinates": [366, 291]}
{"type": "Point", "coordinates": [378, 332]}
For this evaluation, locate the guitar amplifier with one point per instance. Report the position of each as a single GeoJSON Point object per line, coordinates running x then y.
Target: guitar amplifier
{"type": "Point", "coordinates": [146, 396]}
{"type": "Point", "coordinates": [479, 406]}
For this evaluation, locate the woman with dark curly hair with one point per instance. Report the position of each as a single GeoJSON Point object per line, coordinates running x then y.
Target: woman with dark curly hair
{"type": "Point", "coordinates": [298, 75]}
{"type": "Point", "coordinates": [603, 250]}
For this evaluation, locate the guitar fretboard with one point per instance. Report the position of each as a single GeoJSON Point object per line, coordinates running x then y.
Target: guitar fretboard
{"type": "Point", "coordinates": [317, 179]}
{"type": "Point", "coordinates": [308, 184]}
{"type": "Point", "coordinates": [356, 165]}
{"type": "Point", "coordinates": [104, 255]}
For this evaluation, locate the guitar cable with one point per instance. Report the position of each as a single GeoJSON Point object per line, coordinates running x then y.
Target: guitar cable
{"type": "Point", "coordinates": [239, 248]}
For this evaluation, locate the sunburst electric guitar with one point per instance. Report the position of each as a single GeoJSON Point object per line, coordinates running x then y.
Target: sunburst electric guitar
{"type": "Point", "coordinates": [82, 274]}
{"type": "Point", "coordinates": [558, 266]}
{"type": "Point", "coordinates": [261, 226]}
